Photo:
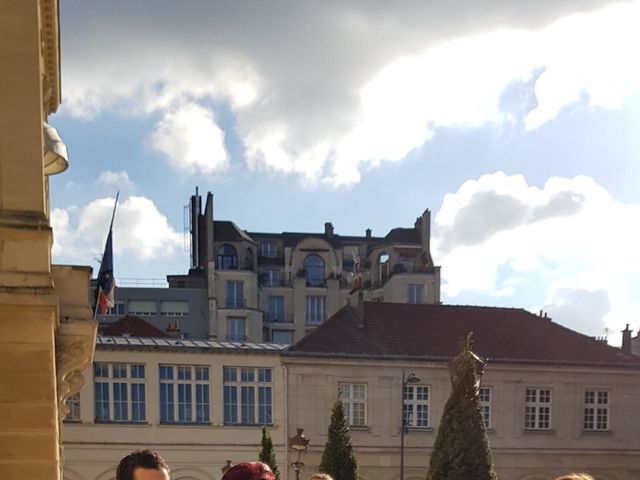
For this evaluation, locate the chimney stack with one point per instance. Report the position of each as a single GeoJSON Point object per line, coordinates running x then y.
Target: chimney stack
{"type": "Point", "coordinates": [328, 229]}
{"type": "Point", "coordinates": [626, 340]}
{"type": "Point", "coordinates": [368, 233]}
{"type": "Point", "coordinates": [173, 330]}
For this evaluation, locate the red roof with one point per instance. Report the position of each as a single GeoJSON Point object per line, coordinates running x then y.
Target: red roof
{"type": "Point", "coordinates": [132, 326]}
{"type": "Point", "coordinates": [436, 332]}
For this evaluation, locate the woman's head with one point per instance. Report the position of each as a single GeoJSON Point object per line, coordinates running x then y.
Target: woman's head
{"type": "Point", "coordinates": [249, 471]}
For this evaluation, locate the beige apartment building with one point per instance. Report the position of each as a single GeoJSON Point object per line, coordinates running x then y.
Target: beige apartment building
{"type": "Point", "coordinates": [47, 332]}
{"type": "Point", "coordinates": [553, 400]}
{"type": "Point", "coordinates": [278, 287]}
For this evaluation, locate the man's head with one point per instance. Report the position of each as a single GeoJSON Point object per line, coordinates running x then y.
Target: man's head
{"type": "Point", "coordinates": [249, 471]}
{"type": "Point", "coordinates": [143, 465]}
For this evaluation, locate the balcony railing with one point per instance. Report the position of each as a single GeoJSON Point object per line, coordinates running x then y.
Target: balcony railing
{"type": "Point", "coordinates": [278, 318]}
{"type": "Point", "coordinates": [233, 302]}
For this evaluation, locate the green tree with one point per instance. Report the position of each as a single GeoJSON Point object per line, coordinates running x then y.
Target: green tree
{"type": "Point", "coordinates": [338, 459]}
{"type": "Point", "coordinates": [461, 450]}
{"type": "Point", "coordinates": [267, 453]}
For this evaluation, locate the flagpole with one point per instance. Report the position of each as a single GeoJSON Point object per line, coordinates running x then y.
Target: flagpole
{"type": "Point", "coordinates": [113, 216]}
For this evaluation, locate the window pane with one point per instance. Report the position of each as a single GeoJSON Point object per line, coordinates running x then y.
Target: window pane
{"type": "Point", "coordinates": [166, 402]}
{"type": "Point", "coordinates": [248, 405]}
{"type": "Point", "coordinates": [230, 404]}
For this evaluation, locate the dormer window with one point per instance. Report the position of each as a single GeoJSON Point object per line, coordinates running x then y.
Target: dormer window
{"type": "Point", "coordinates": [227, 258]}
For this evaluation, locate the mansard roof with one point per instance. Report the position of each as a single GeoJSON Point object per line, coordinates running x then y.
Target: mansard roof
{"type": "Point", "coordinates": [226, 231]}
{"type": "Point", "coordinates": [436, 332]}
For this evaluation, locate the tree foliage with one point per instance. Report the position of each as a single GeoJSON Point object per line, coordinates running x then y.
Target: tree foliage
{"type": "Point", "coordinates": [338, 459]}
{"type": "Point", "coordinates": [267, 453]}
{"type": "Point", "coordinates": [461, 450]}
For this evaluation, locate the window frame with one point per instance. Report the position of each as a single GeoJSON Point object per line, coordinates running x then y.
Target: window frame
{"type": "Point", "coordinates": [351, 402]}
{"type": "Point", "coordinates": [595, 409]}
{"type": "Point", "coordinates": [226, 257]}
{"type": "Point", "coordinates": [136, 409]}
{"type": "Point", "coordinates": [236, 336]}
{"type": "Point", "coordinates": [485, 406]}
{"type": "Point", "coordinates": [247, 395]}
{"type": "Point", "coordinates": [534, 416]}
{"type": "Point", "coordinates": [278, 314]}
{"type": "Point", "coordinates": [411, 404]}
{"type": "Point", "coordinates": [315, 311]}
{"type": "Point", "coordinates": [315, 269]}
{"type": "Point", "coordinates": [415, 293]}
{"type": "Point", "coordinates": [199, 412]}
{"type": "Point", "coordinates": [234, 292]}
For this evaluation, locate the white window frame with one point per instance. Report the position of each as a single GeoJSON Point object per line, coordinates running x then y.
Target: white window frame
{"type": "Point", "coordinates": [354, 399]}
{"type": "Point", "coordinates": [234, 291]}
{"type": "Point", "coordinates": [416, 406]}
{"type": "Point", "coordinates": [485, 396]}
{"type": "Point", "coordinates": [248, 395]}
{"type": "Point", "coordinates": [315, 309]}
{"type": "Point", "coordinates": [192, 377]}
{"type": "Point", "coordinates": [415, 293]}
{"type": "Point", "coordinates": [73, 403]}
{"type": "Point", "coordinates": [537, 414]}
{"type": "Point", "coordinates": [236, 334]}
{"type": "Point", "coordinates": [109, 375]}
{"type": "Point", "coordinates": [596, 410]}
{"type": "Point", "coordinates": [268, 249]}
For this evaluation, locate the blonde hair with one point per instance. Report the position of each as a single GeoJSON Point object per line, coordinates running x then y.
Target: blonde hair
{"type": "Point", "coordinates": [320, 476]}
{"type": "Point", "coordinates": [576, 476]}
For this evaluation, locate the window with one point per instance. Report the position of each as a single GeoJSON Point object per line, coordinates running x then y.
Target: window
{"type": "Point", "coordinates": [485, 405]}
{"type": "Point", "coordinates": [316, 310]}
{"type": "Point", "coordinates": [235, 295]}
{"type": "Point", "coordinates": [354, 399]}
{"type": "Point", "coordinates": [170, 308]}
{"type": "Point", "coordinates": [119, 392]}
{"type": "Point", "coordinates": [416, 406]}
{"type": "Point", "coordinates": [313, 270]}
{"type": "Point", "coordinates": [596, 410]}
{"type": "Point", "coordinates": [275, 309]}
{"type": "Point", "coordinates": [268, 249]}
{"type": "Point", "coordinates": [248, 395]}
{"type": "Point", "coordinates": [414, 293]}
{"type": "Point", "coordinates": [383, 264]}
{"type": "Point", "coordinates": [236, 329]}
{"type": "Point", "coordinates": [184, 394]}
{"type": "Point", "coordinates": [537, 410]}
{"type": "Point", "coordinates": [283, 337]}
{"type": "Point", "coordinates": [227, 258]}
{"type": "Point", "coordinates": [271, 278]}
{"type": "Point", "coordinates": [73, 403]}
{"type": "Point", "coordinates": [143, 307]}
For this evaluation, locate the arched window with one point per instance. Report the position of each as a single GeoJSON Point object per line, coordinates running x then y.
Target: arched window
{"type": "Point", "coordinates": [314, 270]}
{"type": "Point", "coordinates": [248, 259]}
{"type": "Point", "coordinates": [227, 258]}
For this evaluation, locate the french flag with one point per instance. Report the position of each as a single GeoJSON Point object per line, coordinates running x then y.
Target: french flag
{"type": "Point", "coordinates": [106, 284]}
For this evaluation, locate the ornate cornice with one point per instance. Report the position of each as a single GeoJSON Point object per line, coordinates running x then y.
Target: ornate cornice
{"type": "Point", "coordinates": [50, 37]}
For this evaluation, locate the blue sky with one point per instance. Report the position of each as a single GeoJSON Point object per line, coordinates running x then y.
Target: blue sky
{"type": "Point", "coordinates": [517, 126]}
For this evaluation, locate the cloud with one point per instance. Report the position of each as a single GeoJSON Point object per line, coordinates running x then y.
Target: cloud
{"type": "Point", "coordinates": [359, 85]}
{"type": "Point", "coordinates": [191, 140]}
{"type": "Point", "coordinates": [119, 180]}
{"type": "Point", "coordinates": [566, 242]}
{"type": "Point", "coordinates": [139, 230]}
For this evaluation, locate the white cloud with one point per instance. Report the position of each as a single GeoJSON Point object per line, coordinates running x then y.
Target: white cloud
{"type": "Point", "coordinates": [191, 140]}
{"type": "Point", "coordinates": [569, 239]}
{"type": "Point", "coordinates": [139, 229]}
{"type": "Point", "coordinates": [327, 106]}
{"type": "Point", "coordinates": [119, 180]}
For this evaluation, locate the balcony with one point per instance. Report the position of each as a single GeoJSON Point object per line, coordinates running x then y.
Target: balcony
{"type": "Point", "coordinates": [278, 318]}
{"type": "Point", "coordinates": [234, 302]}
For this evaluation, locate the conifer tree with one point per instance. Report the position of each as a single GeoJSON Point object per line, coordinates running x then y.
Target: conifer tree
{"type": "Point", "coordinates": [338, 459]}
{"type": "Point", "coordinates": [461, 450]}
{"type": "Point", "coordinates": [267, 453]}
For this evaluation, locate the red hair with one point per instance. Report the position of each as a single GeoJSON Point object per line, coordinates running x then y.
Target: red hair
{"type": "Point", "coordinates": [249, 471]}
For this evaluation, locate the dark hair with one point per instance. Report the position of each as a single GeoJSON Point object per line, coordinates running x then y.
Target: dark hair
{"type": "Point", "coordinates": [249, 471]}
{"type": "Point", "coordinates": [140, 458]}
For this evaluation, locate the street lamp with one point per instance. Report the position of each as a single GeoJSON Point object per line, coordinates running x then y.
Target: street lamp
{"type": "Point", "coordinates": [412, 378]}
{"type": "Point", "coordinates": [298, 443]}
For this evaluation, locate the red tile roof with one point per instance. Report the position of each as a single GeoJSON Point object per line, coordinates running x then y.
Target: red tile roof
{"type": "Point", "coordinates": [436, 332]}
{"type": "Point", "coordinates": [132, 326]}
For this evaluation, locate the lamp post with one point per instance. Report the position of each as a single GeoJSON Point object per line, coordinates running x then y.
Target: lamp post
{"type": "Point", "coordinates": [298, 443]}
{"type": "Point", "coordinates": [412, 378]}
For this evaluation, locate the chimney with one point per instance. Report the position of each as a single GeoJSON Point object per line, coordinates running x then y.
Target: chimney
{"type": "Point", "coordinates": [368, 233]}
{"type": "Point", "coordinates": [328, 229]}
{"type": "Point", "coordinates": [425, 230]}
{"type": "Point", "coordinates": [626, 341]}
{"type": "Point", "coordinates": [173, 331]}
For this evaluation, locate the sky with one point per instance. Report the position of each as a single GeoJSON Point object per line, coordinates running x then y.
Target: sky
{"type": "Point", "coordinates": [515, 122]}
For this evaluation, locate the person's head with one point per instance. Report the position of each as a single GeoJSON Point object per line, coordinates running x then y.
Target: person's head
{"type": "Point", "coordinates": [575, 476]}
{"type": "Point", "coordinates": [249, 471]}
{"type": "Point", "coordinates": [143, 465]}
{"type": "Point", "coordinates": [320, 476]}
